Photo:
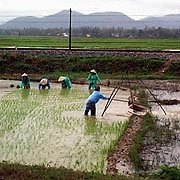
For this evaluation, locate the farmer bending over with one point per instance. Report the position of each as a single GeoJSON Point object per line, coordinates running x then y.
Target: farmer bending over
{"type": "Point", "coordinates": [92, 100]}
{"type": "Point", "coordinates": [93, 78]}
{"type": "Point", "coordinates": [44, 83]}
{"type": "Point", "coordinates": [65, 81]}
{"type": "Point", "coordinates": [25, 82]}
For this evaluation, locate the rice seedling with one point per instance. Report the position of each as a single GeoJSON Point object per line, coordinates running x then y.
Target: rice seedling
{"type": "Point", "coordinates": [34, 130]}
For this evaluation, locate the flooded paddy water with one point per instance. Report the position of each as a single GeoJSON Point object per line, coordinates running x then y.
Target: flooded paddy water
{"type": "Point", "coordinates": [164, 148]}
{"type": "Point", "coordinates": [48, 126]}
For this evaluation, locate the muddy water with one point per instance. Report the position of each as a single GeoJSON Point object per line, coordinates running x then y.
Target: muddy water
{"type": "Point", "coordinates": [168, 150]}
{"type": "Point", "coordinates": [37, 140]}
{"type": "Point", "coordinates": [54, 131]}
{"type": "Point", "coordinates": [171, 110]}
{"type": "Point", "coordinates": [118, 110]}
{"type": "Point", "coordinates": [5, 87]}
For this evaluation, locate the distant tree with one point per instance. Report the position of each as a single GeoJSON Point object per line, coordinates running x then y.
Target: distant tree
{"type": "Point", "coordinates": [147, 32]}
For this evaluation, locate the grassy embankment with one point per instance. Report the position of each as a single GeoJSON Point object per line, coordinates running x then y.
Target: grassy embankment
{"type": "Point", "coordinates": [77, 68]}
{"type": "Point", "coordinates": [107, 43]}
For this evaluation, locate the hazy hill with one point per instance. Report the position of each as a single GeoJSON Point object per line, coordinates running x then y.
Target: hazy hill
{"type": "Point", "coordinates": [21, 22]}
{"type": "Point", "coordinates": [61, 19]}
{"type": "Point", "coordinates": [167, 21]}
{"type": "Point", "coordinates": [170, 17]}
{"type": "Point", "coordinates": [101, 19]}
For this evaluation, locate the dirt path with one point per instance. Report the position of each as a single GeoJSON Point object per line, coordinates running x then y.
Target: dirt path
{"type": "Point", "coordinates": [119, 161]}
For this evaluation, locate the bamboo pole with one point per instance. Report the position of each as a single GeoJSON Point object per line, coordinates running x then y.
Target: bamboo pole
{"type": "Point", "coordinates": [107, 104]}
{"type": "Point", "coordinates": [114, 92]}
{"type": "Point", "coordinates": [153, 97]}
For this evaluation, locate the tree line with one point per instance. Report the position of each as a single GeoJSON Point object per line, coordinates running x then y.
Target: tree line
{"type": "Point", "coordinates": [147, 32]}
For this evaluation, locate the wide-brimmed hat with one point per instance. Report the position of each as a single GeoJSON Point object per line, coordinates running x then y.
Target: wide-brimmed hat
{"type": "Point", "coordinates": [61, 78]}
{"type": "Point", "coordinates": [24, 74]}
{"type": "Point", "coordinates": [93, 71]}
{"type": "Point", "coordinates": [43, 81]}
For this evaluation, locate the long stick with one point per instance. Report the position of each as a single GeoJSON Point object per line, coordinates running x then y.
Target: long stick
{"type": "Point", "coordinates": [112, 96]}
{"type": "Point", "coordinates": [108, 102]}
{"type": "Point", "coordinates": [120, 100]}
{"type": "Point", "coordinates": [110, 99]}
{"type": "Point", "coordinates": [153, 97]}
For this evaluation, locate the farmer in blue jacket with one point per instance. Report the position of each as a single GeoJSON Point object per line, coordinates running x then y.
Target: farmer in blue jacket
{"type": "Point", "coordinates": [44, 83]}
{"type": "Point", "coordinates": [92, 100]}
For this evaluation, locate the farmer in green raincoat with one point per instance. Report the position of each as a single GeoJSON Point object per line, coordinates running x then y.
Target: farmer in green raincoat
{"type": "Point", "coordinates": [25, 82]}
{"type": "Point", "coordinates": [65, 81]}
{"type": "Point", "coordinates": [93, 78]}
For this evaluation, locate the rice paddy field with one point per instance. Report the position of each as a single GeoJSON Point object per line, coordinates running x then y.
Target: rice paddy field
{"type": "Point", "coordinates": [116, 43]}
{"type": "Point", "coordinates": [47, 127]}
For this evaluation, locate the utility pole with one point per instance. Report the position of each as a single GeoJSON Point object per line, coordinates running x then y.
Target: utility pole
{"type": "Point", "coordinates": [70, 31]}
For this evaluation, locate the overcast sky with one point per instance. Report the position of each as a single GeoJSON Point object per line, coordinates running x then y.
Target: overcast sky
{"type": "Point", "coordinates": [136, 9]}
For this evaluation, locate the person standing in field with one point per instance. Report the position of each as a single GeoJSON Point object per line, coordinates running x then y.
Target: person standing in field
{"type": "Point", "coordinates": [25, 82]}
{"type": "Point", "coordinates": [65, 81]}
{"type": "Point", "coordinates": [44, 83]}
{"type": "Point", "coordinates": [92, 100]}
{"type": "Point", "coordinates": [92, 79]}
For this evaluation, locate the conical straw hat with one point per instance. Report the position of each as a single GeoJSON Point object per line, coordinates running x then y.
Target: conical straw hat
{"type": "Point", "coordinates": [24, 74]}
{"type": "Point", "coordinates": [93, 71]}
{"type": "Point", "coordinates": [43, 81]}
{"type": "Point", "coordinates": [61, 79]}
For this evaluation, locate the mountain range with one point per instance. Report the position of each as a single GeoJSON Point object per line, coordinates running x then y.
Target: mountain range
{"type": "Point", "coordinates": [100, 20]}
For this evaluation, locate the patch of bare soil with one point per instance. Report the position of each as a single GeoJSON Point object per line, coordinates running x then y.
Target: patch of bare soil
{"type": "Point", "coordinates": [15, 174]}
{"type": "Point", "coordinates": [119, 161]}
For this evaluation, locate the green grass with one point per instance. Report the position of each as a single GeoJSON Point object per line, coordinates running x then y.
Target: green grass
{"type": "Point", "coordinates": [78, 67]}
{"type": "Point", "coordinates": [94, 43]}
{"type": "Point", "coordinates": [147, 125]}
{"type": "Point", "coordinates": [125, 43]}
{"type": "Point", "coordinates": [33, 42]}
{"type": "Point", "coordinates": [167, 172]}
{"type": "Point", "coordinates": [110, 65]}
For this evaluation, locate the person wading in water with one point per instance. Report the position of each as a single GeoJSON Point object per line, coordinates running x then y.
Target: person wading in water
{"type": "Point", "coordinates": [44, 83]}
{"type": "Point", "coordinates": [25, 82]}
{"type": "Point", "coordinates": [65, 81]}
{"type": "Point", "coordinates": [92, 100]}
{"type": "Point", "coordinates": [92, 79]}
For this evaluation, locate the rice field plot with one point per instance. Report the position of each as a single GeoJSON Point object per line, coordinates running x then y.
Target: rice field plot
{"type": "Point", "coordinates": [126, 43]}
{"type": "Point", "coordinates": [34, 131]}
{"type": "Point", "coordinates": [92, 43]}
{"type": "Point", "coordinates": [33, 41]}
